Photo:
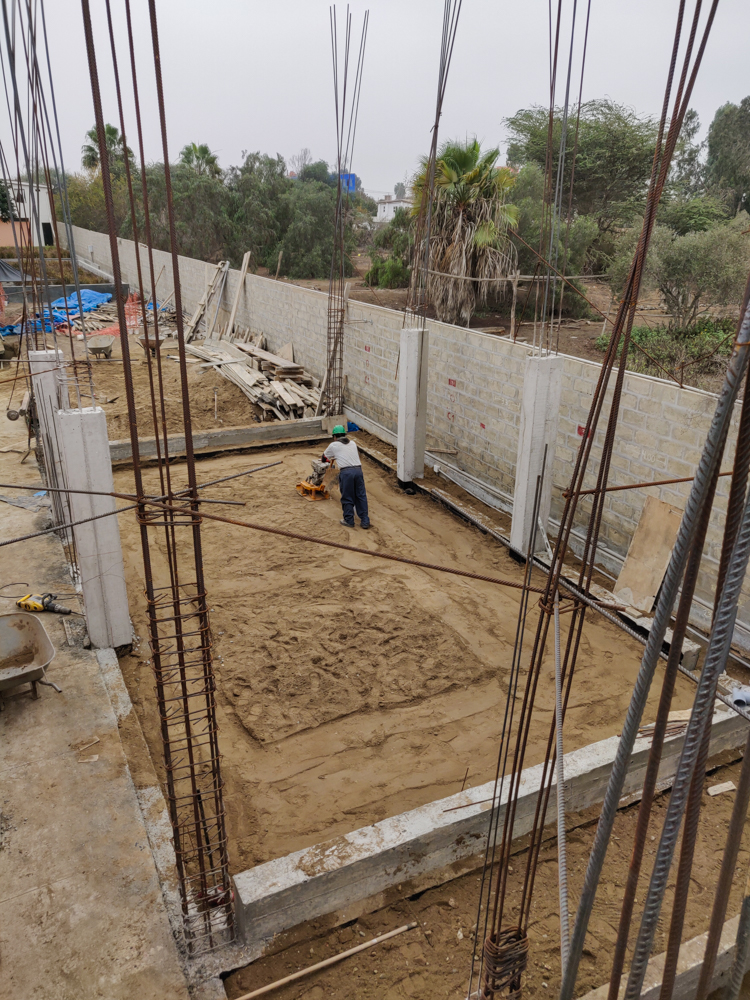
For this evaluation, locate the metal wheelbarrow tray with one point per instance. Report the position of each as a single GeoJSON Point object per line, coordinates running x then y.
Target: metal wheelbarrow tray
{"type": "Point", "coordinates": [25, 651]}
{"type": "Point", "coordinates": [101, 344]}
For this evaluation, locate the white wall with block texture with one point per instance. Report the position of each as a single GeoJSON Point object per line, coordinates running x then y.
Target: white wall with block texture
{"type": "Point", "coordinates": [475, 388]}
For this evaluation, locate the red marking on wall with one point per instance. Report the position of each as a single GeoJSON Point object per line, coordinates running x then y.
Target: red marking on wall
{"type": "Point", "coordinates": [367, 348]}
{"type": "Point", "coordinates": [451, 416]}
{"type": "Point", "coordinates": [367, 379]}
{"type": "Point", "coordinates": [451, 381]}
{"type": "Point", "coordinates": [483, 427]}
{"type": "Point", "coordinates": [582, 431]}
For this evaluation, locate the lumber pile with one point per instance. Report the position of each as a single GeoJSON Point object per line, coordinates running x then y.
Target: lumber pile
{"type": "Point", "coordinates": [105, 316]}
{"type": "Point", "coordinates": [280, 388]}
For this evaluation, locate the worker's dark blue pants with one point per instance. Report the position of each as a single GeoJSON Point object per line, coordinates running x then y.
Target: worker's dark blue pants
{"type": "Point", "coordinates": [353, 495]}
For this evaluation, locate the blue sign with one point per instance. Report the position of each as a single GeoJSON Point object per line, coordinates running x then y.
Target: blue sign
{"type": "Point", "coordinates": [349, 182]}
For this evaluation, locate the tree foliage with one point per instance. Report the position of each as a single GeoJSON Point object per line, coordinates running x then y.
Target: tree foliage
{"type": "Point", "coordinates": [470, 218]}
{"type": "Point", "coordinates": [219, 215]}
{"type": "Point", "coordinates": [613, 161]}
{"type": "Point", "coordinates": [200, 159]}
{"type": "Point", "coordinates": [116, 151]}
{"type": "Point", "coordinates": [7, 204]}
{"type": "Point", "coordinates": [391, 252]}
{"type": "Point", "coordinates": [728, 161]}
{"type": "Point", "coordinates": [693, 272]}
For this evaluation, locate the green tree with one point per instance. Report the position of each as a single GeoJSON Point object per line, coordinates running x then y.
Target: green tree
{"type": "Point", "coordinates": [470, 218]}
{"type": "Point", "coordinates": [258, 210]}
{"type": "Point", "coordinates": [613, 161]}
{"type": "Point", "coordinates": [307, 241]}
{"type": "Point", "coordinates": [728, 160]}
{"type": "Point", "coordinates": [116, 150]}
{"type": "Point", "coordinates": [7, 204]}
{"type": "Point", "coordinates": [687, 175]}
{"type": "Point", "coordinates": [691, 215]}
{"type": "Point", "coordinates": [201, 210]}
{"type": "Point", "coordinates": [87, 207]}
{"type": "Point", "coordinates": [694, 272]}
{"type": "Point", "coordinates": [318, 172]}
{"type": "Point", "coordinates": [399, 190]}
{"type": "Point", "coordinates": [391, 252]}
{"type": "Point", "coordinates": [200, 159]}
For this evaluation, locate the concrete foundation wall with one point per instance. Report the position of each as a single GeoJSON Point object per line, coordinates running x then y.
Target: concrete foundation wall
{"type": "Point", "coordinates": [474, 399]}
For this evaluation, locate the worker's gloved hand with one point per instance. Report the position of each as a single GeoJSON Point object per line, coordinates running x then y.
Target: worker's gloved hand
{"type": "Point", "coordinates": [324, 459]}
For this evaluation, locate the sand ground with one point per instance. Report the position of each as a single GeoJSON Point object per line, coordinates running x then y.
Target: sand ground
{"type": "Point", "coordinates": [349, 688]}
{"type": "Point", "coordinates": [433, 961]}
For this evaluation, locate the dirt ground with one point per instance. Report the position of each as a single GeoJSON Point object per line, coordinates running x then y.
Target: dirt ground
{"type": "Point", "coordinates": [352, 689]}
{"type": "Point", "coordinates": [433, 961]}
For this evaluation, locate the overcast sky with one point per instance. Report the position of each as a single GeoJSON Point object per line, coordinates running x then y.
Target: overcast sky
{"type": "Point", "coordinates": [245, 75]}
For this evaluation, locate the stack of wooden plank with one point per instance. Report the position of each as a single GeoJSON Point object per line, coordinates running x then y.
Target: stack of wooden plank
{"type": "Point", "coordinates": [284, 398]}
{"type": "Point", "coordinates": [281, 368]}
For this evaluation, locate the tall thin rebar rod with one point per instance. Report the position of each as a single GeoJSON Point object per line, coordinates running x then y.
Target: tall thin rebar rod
{"type": "Point", "coordinates": [179, 627]}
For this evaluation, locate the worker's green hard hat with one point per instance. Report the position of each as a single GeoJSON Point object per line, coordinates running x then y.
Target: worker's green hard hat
{"type": "Point", "coordinates": [338, 429]}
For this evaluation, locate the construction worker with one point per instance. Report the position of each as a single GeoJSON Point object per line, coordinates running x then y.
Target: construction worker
{"type": "Point", "coordinates": [351, 481]}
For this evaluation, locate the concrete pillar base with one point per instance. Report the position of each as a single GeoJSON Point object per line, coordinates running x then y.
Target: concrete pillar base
{"type": "Point", "coordinates": [87, 465]}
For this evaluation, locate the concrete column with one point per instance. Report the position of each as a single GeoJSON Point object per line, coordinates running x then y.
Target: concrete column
{"type": "Point", "coordinates": [412, 404]}
{"type": "Point", "coordinates": [48, 399]}
{"type": "Point", "coordinates": [99, 553]}
{"type": "Point", "coordinates": [540, 408]}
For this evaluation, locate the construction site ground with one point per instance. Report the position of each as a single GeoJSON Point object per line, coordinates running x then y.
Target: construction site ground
{"type": "Point", "coordinates": [81, 910]}
{"type": "Point", "coordinates": [433, 961]}
{"type": "Point", "coordinates": [351, 689]}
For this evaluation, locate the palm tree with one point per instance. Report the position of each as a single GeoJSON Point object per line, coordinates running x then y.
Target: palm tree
{"type": "Point", "coordinates": [201, 159]}
{"type": "Point", "coordinates": [468, 228]}
{"type": "Point", "coordinates": [113, 140]}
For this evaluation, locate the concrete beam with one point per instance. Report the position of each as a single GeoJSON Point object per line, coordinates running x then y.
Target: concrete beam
{"type": "Point", "coordinates": [540, 409]}
{"type": "Point", "coordinates": [412, 403]}
{"type": "Point", "coordinates": [230, 438]}
{"type": "Point", "coordinates": [340, 874]}
{"type": "Point", "coordinates": [689, 965]}
{"type": "Point", "coordinates": [85, 451]}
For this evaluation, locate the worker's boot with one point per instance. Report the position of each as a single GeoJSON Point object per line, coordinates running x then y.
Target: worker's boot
{"type": "Point", "coordinates": [347, 524]}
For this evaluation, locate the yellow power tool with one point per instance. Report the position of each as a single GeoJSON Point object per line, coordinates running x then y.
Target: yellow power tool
{"type": "Point", "coordinates": [42, 602]}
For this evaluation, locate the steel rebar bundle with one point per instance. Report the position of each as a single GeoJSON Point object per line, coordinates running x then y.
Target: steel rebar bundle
{"type": "Point", "coordinates": [177, 608]}
{"type": "Point", "coordinates": [347, 108]}
{"type": "Point", "coordinates": [502, 940]}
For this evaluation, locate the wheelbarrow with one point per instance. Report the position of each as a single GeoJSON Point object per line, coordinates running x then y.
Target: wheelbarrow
{"type": "Point", "coordinates": [150, 344]}
{"type": "Point", "coordinates": [101, 345]}
{"type": "Point", "coordinates": [25, 653]}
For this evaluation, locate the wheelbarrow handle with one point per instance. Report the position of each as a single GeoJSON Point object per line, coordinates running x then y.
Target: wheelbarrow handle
{"type": "Point", "coordinates": [50, 684]}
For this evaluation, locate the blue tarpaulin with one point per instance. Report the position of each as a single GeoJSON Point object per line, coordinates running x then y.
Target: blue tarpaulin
{"type": "Point", "coordinates": [89, 299]}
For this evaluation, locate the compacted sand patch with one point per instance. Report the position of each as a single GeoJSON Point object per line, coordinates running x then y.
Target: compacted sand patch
{"type": "Point", "coordinates": [350, 688]}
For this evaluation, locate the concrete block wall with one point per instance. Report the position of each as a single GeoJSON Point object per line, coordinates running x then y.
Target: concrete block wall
{"type": "Point", "coordinates": [474, 400]}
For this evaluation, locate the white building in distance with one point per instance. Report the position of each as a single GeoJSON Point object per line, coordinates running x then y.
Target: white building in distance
{"type": "Point", "coordinates": [387, 207]}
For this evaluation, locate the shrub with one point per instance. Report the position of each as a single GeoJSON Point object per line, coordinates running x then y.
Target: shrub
{"type": "Point", "coordinates": [389, 273]}
{"type": "Point", "coordinates": [692, 272]}
{"type": "Point", "coordinates": [699, 351]}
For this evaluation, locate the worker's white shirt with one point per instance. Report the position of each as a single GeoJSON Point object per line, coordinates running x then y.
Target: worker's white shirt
{"type": "Point", "coordinates": [346, 455]}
